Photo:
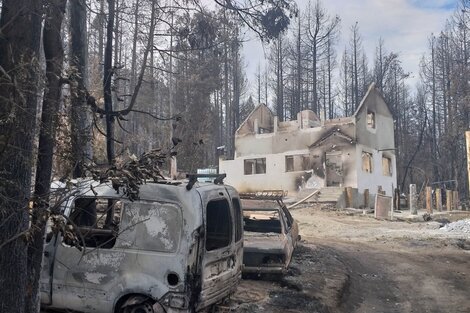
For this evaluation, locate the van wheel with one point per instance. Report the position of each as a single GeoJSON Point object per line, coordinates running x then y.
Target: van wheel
{"type": "Point", "coordinates": [145, 307]}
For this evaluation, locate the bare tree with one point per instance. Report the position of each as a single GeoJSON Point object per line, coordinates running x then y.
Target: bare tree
{"type": "Point", "coordinates": [319, 28]}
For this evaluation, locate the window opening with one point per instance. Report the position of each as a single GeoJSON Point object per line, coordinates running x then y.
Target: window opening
{"type": "Point", "coordinates": [386, 166]}
{"type": "Point", "coordinates": [97, 221]}
{"type": "Point", "coordinates": [370, 119]}
{"type": "Point", "coordinates": [289, 163]}
{"type": "Point", "coordinates": [218, 225]}
{"type": "Point", "coordinates": [261, 221]}
{"type": "Point", "coordinates": [255, 166]}
{"type": "Point", "coordinates": [367, 162]}
{"type": "Point", "coordinates": [238, 219]}
{"type": "Point", "coordinates": [299, 162]}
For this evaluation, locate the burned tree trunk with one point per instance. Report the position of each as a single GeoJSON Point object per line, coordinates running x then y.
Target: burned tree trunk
{"type": "Point", "coordinates": [108, 74]}
{"type": "Point", "coordinates": [54, 55]}
{"type": "Point", "coordinates": [81, 115]}
{"type": "Point", "coordinates": [20, 24]}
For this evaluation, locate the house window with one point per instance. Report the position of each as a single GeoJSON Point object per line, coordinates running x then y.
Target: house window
{"type": "Point", "coordinates": [367, 162]}
{"type": "Point", "coordinates": [255, 166]}
{"type": "Point", "coordinates": [218, 225]}
{"type": "Point", "coordinates": [263, 130]}
{"type": "Point", "coordinates": [289, 163]}
{"type": "Point", "coordinates": [386, 166]}
{"type": "Point", "coordinates": [300, 162]}
{"type": "Point", "coordinates": [370, 119]}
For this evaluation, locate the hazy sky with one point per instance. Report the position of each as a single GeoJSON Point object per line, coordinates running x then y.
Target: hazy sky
{"type": "Point", "coordinates": [405, 26]}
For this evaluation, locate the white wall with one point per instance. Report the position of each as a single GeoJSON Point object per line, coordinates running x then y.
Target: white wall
{"type": "Point", "coordinates": [372, 180]}
{"type": "Point", "coordinates": [274, 178]}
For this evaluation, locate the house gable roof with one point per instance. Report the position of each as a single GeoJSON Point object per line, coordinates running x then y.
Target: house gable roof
{"type": "Point", "coordinates": [372, 91]}
{"type": "Point", "coordinates": [332, 133]}
{"type": "Point", "coordinates": [248, 122]}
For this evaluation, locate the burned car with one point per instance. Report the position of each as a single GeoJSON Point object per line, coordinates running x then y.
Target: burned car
{"type": "Point", "coordinates": [271, 234]}
{"type": "Point", "coordinates": [177, 248]}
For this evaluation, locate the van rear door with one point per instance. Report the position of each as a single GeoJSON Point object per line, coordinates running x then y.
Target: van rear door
{"type": "Point", "coordinates": [221, 262]}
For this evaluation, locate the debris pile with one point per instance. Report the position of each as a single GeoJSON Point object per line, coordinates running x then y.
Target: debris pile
{"type": "Point", "coordinates": [459, 226]}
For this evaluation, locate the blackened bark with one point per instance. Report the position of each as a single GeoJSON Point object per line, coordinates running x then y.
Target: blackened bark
{"type": "Point", "coordinates": [108, 74]}
{"type": "Point", "coordinates": [20, 25]}
{"type": "Point", "coordinates": [54, 55]}
{"type": "Point", "coordinates": [81, 113]}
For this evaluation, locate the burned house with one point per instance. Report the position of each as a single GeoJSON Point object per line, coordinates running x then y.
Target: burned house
{"type": "Point", "coordinates": [356, 151]}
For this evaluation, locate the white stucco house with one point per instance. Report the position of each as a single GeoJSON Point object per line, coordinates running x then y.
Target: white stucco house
{"type": "Point", "coordinates": [356, 151]}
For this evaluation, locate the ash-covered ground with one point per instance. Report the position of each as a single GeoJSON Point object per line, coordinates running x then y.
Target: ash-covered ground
{"type": "Point", "coordinates": [354, 263]}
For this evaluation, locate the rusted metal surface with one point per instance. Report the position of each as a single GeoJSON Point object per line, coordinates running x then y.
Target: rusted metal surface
{"type": "Point", "coordinates": [158, 254]}
{"type": "Point", "coordinates": [264, 195]}
{"type": "Point", "coordinates": [271, 235]}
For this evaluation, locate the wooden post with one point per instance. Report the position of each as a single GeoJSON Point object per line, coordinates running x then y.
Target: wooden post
{"type": "Point", "coordinates": [366, 198]}
{"type": "Point", "coordinates": [449, 200]}
{"type": "Point", "coordinates": [455, 200]}
{"type": "Point", "coordinates": [349, 197]}
{"type": "Point", "coordinates": [438, 199]}
{"type": "Point", "coordinates": [412, 200]}
{"type": "Point", "coordinates": [429, 200]}
{"type": "Point", "coordinates": [397, 199]}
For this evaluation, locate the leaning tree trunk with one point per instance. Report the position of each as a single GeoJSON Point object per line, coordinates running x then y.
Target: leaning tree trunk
{"type": "Point", "coordinates": [20, 24]}
{"type": "Point", "coordinates": [54, 55]}
{"type": "Point", "coordinates": [81, 113]}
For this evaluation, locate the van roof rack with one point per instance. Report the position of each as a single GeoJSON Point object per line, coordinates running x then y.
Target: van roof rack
{"type": "Point", "coordinates": [218, 179]}
{"type": "Point", "coordinates": [264, 195]}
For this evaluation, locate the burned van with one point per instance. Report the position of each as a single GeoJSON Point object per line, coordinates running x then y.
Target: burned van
{"type": "Point", "coordinates": [178, 248]}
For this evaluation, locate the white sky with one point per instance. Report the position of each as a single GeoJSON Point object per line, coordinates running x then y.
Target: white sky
{"type": "Point", "coordinates": [405, 26]}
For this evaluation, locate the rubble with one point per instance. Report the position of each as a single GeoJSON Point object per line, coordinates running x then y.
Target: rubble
{"type": "Point", "coordinates": [459, 226]}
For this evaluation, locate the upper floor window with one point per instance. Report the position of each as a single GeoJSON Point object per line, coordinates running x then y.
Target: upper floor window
{"type": "Point", "coordinates": [370, 119]}
{"type": "Point", "coordinates": [386, 166]}
{"type": "Point", "coordinates": [367, 162]}
{"type": "Point", "coordinates": [255, 166]}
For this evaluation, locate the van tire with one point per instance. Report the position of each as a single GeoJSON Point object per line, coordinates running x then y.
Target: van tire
{"type": "Point", "coordinates": [145, 307]}
{"type": "Point", "coordinates": [136, 304]}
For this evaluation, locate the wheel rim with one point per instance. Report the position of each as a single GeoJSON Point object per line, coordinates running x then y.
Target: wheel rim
{"type": "Point", "coordinates": [141, 308]}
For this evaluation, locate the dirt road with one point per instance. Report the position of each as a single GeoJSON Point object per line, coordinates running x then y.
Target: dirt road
{"type": "Point", "coordinates": [358, 264]}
